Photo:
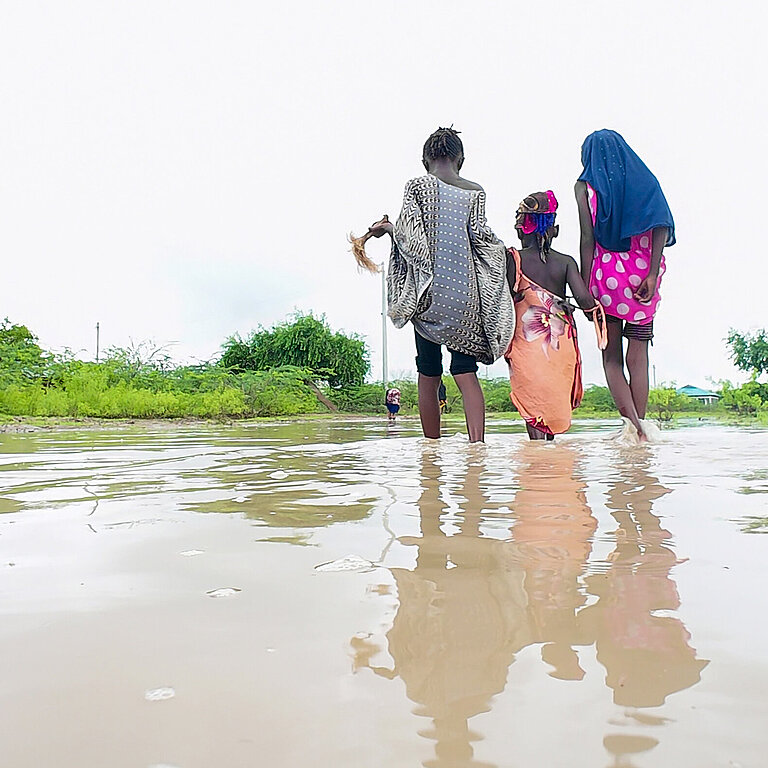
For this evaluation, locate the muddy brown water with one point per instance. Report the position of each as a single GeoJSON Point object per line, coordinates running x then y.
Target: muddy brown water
{"type": "Point", "coordinates": [577, 604]}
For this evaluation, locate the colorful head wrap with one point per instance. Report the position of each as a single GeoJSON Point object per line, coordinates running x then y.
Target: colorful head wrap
{"type": "Point", "coordinates": [536, 213]}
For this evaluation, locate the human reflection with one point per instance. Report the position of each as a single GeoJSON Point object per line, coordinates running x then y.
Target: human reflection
{"type": "Point", "coordinates": [647, 657]}
{"type": "Point", "coordinates": [459, 620]}
{"type": "Point", "coordinates": [553, 541]}
{"type": "Point", "coordinates": [472, 601]}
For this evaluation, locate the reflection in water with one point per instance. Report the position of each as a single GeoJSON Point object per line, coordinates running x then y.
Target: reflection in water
{"type": "Point", "coordinates": [647, 657]}
{"type": "Point", "coordinates": [222, 471]}
{"type": "Point", "coordinates": [472, 602]}
{"type": "Point", "coordinates": [460, 619]}
{"type": "Point", "coordinates": [552, 539]}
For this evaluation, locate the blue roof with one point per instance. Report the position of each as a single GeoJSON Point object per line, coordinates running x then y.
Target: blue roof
{"type": "Point", "coordinates": [692, 391]}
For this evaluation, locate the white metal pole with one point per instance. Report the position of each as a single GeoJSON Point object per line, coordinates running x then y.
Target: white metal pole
{"type": "Point", "coordinates": [384, 371]}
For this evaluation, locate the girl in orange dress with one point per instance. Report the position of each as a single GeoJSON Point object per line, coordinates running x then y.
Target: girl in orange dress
{"type": "Point", "coordinates": [543, 356]}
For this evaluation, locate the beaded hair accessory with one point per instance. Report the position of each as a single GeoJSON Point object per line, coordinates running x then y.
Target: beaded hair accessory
{"type": "Point", "coordinates": [536, 215]}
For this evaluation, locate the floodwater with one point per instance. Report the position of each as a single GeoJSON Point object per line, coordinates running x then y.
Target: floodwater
{"type": "Point", "coordinates": [345, 594]}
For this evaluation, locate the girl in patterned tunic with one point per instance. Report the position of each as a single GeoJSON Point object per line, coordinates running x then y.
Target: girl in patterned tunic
{"type": "Point", "coordinates": [543, 356]}
{"type": "Point", "coordinates": [448, 276]}
{"type": "Point", "coordinates": [625, 225]}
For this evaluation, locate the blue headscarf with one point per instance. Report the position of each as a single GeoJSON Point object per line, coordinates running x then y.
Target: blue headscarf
{"type": "Point", "coordinates": [629, 197]}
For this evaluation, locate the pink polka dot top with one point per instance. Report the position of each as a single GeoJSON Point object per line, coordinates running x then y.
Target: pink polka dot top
{"type": "Point", "coordinates": [615, 276]}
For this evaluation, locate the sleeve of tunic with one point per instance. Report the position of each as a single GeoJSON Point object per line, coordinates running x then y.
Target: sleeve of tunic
{"type": "Point", "coordinates": [485, 244]}
{"type": "Point", "coordinates": [410, 262]}
{"type": "Point", "coordinates": [490, 255]}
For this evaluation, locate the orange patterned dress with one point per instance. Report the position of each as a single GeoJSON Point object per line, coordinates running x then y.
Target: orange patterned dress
{"type": "Point", "coordinates": [543, 357]}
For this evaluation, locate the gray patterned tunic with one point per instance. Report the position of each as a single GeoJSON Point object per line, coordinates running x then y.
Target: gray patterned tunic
{"type": "Point", "coordinates": [448, 271]}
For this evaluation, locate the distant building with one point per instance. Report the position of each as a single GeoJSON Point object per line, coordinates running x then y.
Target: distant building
{"type": "Point", "coordinates": [705, 396]}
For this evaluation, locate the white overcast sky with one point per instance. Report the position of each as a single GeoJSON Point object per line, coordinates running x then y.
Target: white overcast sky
{"type": "Point", "coordinates": [182, 171]}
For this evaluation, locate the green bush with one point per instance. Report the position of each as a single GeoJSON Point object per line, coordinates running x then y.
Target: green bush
{"type": "Point", "coordinates": [496, 392]}
{"type": "Point", "coordinates": [366, 398]}
{"type": "Point", "coordinates": [369, 398]}
{"type": "Point", "coordinates": [750, 399]}
{"type": "Point", "coordinates": [21, 358]}
{"type": "Point", "coordinates": [86, 396]}
{"type": "Point", "coordinates": [125, 386]}
{"type": "Point", "coordinates": [597, 400]}
{"type": "Point", "coordinates": [665, 402]}
{"type": "Point", "coordinates": [278, 392]}
{"type": "Point", "coordinates": [305, 342]}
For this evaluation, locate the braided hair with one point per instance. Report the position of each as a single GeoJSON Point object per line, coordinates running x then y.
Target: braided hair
{"type": "Point", "coordinates": [444, 142]}
{"type": "Point", "coordinates": [536, 216]}
{"type": "Point", "coordinates": [544, 227]}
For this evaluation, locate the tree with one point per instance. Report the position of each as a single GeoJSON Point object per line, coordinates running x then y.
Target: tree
{"type": "Point", "coordinates": [303, 341]}
{"type": "Point", "coordinates": [598, 399]}
{"type": "Point", "coordinates": [665, 402]}
{"type": "Point", "coordinates": [21, 358]}
{"type": "Point", "coordinates": [749, 351]}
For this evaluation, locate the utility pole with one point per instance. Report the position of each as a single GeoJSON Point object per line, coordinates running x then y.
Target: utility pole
{"type": "Point", "coordinates": [385, 372]}
{"type": "Point", "coordinates": [654, 376]}
{"type": "Point", "coordinates": [97, 342]}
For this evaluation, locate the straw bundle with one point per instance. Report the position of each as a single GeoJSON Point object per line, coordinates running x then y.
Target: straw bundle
{"type": "Point", "coordinates": [358, 248]}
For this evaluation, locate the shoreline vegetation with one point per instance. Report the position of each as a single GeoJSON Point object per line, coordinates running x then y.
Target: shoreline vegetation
{"type": "Point", "coordinates": [297, 369]}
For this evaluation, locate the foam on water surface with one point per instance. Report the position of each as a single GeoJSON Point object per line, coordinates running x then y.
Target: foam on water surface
{"type": "Point", "coordinates": [159, 694]}
{"type": "Point", "coordinates": [347, 563]}
{"type": "Point", "coordinates": [223, 592]}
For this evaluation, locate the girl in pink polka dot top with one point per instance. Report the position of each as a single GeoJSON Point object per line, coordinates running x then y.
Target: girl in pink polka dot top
{"type": "Point", "coordinates": [614, 278]}
{"type": "Point", "coordinates": [625, 225]}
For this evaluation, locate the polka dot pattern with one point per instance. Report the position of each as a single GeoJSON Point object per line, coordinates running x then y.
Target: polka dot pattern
{"type": "Point", "coordinates": [616, 276]}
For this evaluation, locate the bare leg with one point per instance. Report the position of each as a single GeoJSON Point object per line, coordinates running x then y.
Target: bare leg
{"type": "Point", "coordinates": [535, 434]}
{"type": "Point", "coordinates": [613, 365]}
{"type": "Point", "coordinates": [474, 405]}
{"type": "Point", "coordinates": [637, 365]}
{"type": "Point", "coordinates": [429, 407]}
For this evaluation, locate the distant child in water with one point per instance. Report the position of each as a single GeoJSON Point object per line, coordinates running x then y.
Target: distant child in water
{"type": "Point", "coordinates": [625, 225]}
{"type": "Point", "coordinates": [393, 402]}
{"type": "Point", "coordinates": [543, 356]}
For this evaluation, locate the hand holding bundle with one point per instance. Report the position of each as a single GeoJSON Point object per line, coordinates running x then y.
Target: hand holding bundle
{"type": "Point", "coordinates": [358, 243]}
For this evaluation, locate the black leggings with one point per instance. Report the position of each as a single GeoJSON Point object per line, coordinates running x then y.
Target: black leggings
{"type": "Point", "coordinates": [429, 359]}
